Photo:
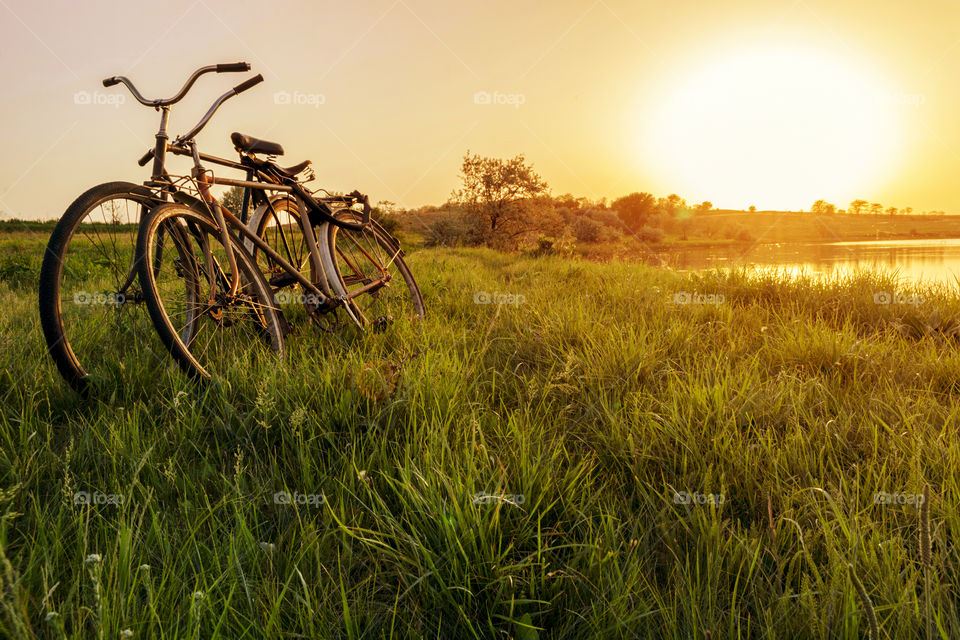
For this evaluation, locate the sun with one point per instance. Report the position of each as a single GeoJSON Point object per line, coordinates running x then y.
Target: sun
{"type": "Point", "coordinates": [777, 128]}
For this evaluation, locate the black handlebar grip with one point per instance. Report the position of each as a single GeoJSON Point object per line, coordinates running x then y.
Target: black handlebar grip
{"type": "Point", "coordinates": [366, 205]}
{"type": "Point", "coordinates": [243, 86]}
{"type": "Point", "coordinates": [147, 157]}
{"type": "Point", "coordinates": [109, 82]}
{"type": "Point", "coordinates": [233, 66]}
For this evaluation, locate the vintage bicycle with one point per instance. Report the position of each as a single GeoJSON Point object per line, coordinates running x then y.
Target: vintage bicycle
{"type": "Point", "coordinates": [210, 278]}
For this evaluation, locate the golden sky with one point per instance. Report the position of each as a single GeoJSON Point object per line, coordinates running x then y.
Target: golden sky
{"type": "Point", "coordinates": [767, 103]}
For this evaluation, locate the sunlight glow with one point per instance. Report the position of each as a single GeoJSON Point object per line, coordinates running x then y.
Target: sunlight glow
{"type": "Point", "coordinates": [774, 128]}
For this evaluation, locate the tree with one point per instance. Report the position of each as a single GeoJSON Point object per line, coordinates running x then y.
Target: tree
{"type": "Point", "coordinates": [673, 205]}
{"type": "Point", "coordinates": [233, 199]}
{"type": "Point", "coordinates": [752, 209]}
{"type": "Point", "coordinates": [498, 195]}
{"type": "Point", "coordinates": [635, 209]}
{"type": "Point", "coordinates": [823, 208]}
{"type": "Point", "coordinates": [876, 208]}
{"type": "Point", "coordinates": [908, 210]}
{"type": "Point", "coordinates": [892, 211]}
{"type": "Point", "coordinates": [857, 206]}
{"type": "Point", "coordinates": [704, 207]}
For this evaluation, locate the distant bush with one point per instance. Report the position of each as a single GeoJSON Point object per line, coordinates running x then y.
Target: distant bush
{"type": "Point", "coordinates": [453, 230]}
{"type": "Point", "coordinates": [649, 235]}
{"type": "Point", "coordinates": [554, 246]}
{"type": "Point", "coordinates": [586, 228]}
{"type": "Point", "coordinates": [606, 217]}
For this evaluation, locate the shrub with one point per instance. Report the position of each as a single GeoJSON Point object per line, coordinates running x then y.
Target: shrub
{"type": "Point", "coordinates": [554, 246]}
{"type": "Point", "coordinates": [649, 235]}
{"type": "Point", "coordinates": [606, 217]}
{"type": "Point", "coordinates": [453, 230]}
{"type": "Point", "coordinates": [586, 229]}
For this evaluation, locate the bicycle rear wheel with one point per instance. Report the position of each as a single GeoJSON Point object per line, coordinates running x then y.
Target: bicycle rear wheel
{"type": "Point", "coordinates": [367, 269]}
{"type": "Point", "coordinates": [187, 289]}
{"type": "Point", "coordinates": [90, 302]}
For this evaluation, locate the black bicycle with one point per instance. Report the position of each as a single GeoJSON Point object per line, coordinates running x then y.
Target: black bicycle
{"type": "Point", "coordinates": [120, 246]}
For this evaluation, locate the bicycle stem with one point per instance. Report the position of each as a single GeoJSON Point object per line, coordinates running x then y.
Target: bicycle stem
{"type": "Point", "coordinates": [158, 150]}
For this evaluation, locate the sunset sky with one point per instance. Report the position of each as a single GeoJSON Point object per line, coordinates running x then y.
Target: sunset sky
{"type": "Point", "coordinates": [766, 103]}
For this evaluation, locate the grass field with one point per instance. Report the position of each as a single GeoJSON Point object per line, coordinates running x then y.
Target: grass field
{"type": "Point", "coordinates": [602, 450]}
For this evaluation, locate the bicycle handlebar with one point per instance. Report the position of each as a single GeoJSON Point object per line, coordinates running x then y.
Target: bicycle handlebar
{"type": "Point", "coordinates": [219, 68]}
{"type": "Point", "coordinates": [233, 66]}
{"type": "Point", "coordinates": [243, 86]}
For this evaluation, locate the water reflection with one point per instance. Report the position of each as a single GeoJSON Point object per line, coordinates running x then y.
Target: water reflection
{"type": "Point", "coordinates": [917, 260]}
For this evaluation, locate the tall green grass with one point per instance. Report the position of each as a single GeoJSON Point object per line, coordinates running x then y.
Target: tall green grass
{"type": "Point", "coordinates": [522, 470]}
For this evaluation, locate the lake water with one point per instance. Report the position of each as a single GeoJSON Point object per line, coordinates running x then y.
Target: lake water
{"type": "Point", "coordinates": [917, 260]}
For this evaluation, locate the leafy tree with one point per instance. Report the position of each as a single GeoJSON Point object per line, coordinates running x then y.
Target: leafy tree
{"type": "Point", "coordinates": [704, 207]}
{"type": "Point", "coordinates": [876, 208]}
{"type": "Point", "coordinates": [635, 209]}
{"type": "Point", "coordinates": [823, 208]}
{"type": "Point", "coordinates": [752, 209]}
{"type": "Point", "coordinates": [908, 210]}
{"type": "Point", "coordinates": [858, 206]}
{"type": "Point", "coordinates": [673, 206]}
{"type": "Point", "coordinates": [499, 195]}
{"type": "Point", "coordinates": [892, 211]}
{"type": "Point", "coordinates": [572, 203]}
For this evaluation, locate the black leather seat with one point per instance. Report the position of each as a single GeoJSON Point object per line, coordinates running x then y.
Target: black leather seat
{"type": "Point", "coordinates": [255, 145]}
{"type": "Point", "coordinates": [295, 169]}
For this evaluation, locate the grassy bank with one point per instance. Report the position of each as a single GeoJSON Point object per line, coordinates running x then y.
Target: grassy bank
{"type": "Point", "coordinates": [791, 227]}
{"type": "Point", "coordinates": [624, 452]}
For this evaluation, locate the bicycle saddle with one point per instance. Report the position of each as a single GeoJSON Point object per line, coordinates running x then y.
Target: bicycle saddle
{"type": "Point", "coordinates": [255, 145]}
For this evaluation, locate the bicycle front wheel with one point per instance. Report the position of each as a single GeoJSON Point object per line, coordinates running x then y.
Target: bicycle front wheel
{"type": "Point", "coordinates": [208, 327]}
{"type": "Point", "coordinates": [90, 302]}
